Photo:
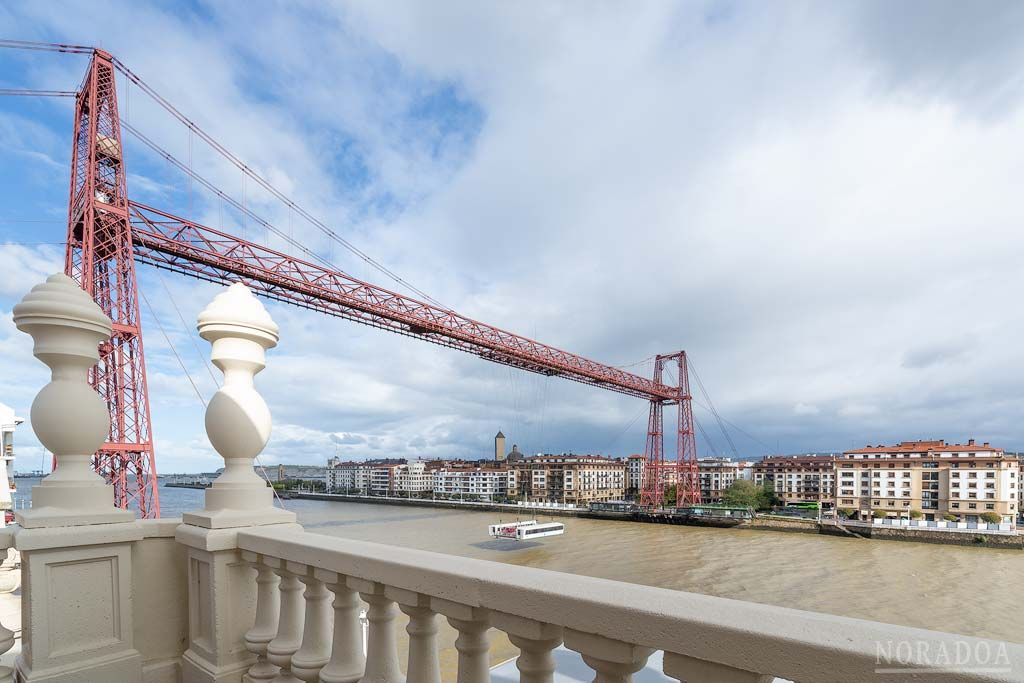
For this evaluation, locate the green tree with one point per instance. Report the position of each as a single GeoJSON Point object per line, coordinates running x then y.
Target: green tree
{"type": "Point", "coordinates": [768, 496]}
{"type": "Point", "coordinates": [991, 517]}
{"type": "Point", "coordinates": [878, 514]}
{"type": "Point", "coordinates": [950, 518]}
{"type": "Point", "coordinates": [916, 514]}
{"type": "Point", "coordinates": [744, 493]}
{"type": "Point", "coordinates": [846, 512]}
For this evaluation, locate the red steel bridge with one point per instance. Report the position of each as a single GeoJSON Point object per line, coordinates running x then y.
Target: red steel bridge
{"type": "Point", "coordinates": [108, 233]}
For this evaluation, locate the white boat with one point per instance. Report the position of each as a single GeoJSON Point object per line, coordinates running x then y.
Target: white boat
{"type": "Point", "coordinates": [529, 529]}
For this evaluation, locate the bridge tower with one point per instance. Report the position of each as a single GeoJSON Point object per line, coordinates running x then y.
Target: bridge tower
{"type": "Point", "coordinates": [99, 258]}
{"type": "Point", "coordinates": [656, 467]}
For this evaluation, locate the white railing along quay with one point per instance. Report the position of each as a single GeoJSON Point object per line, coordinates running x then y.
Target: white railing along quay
{"type": "Point", "coordinates": [614, 625]}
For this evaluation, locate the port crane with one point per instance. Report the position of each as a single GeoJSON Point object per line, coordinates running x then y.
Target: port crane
{"type": "Point", "coordinates": [108, 232]}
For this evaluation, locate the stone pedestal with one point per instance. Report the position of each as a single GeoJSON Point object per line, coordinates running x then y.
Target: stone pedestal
{"type": "Point", "coordinates": [77, 604]}
{"type": "Point", "coordinates": [222, 606]}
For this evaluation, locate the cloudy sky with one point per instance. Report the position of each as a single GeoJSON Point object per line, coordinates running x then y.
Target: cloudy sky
{"type": "Point", "coordinates": [820, 202]}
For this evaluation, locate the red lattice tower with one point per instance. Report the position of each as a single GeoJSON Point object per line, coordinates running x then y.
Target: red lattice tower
{"type": "Point", "coordinates": [107, 233]}
{"type": "Point", "coordinates": [656, 467]}
{"type": "Point", "coordinates": [100, 258]}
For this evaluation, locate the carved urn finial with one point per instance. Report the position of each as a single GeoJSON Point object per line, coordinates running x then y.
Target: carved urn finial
{"type": "Point", "coordinates": [238, 421]}
{"type": "Point", "coordinates": [68, 416]}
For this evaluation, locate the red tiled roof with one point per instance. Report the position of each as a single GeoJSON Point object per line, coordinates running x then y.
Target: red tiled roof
{"type": "Point", "coordinates": [927, 447]}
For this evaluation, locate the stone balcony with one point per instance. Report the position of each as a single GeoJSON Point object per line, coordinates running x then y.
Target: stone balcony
{"type": "Point", "coordinates": [239, 591]}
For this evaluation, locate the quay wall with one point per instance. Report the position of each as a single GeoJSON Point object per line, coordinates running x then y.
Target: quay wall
{"type": "Point", "coordinates": [761, 523]}
{"type": "Point", "coordinates": [947, 537]}
{"type": "Point", "coordinates": [446, 504]}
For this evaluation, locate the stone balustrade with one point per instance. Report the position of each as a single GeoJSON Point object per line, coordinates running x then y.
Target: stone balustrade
{"type": "Point", "coordinates": [238, 591]}
{"type": "Point", "coordinates": [614, 626]}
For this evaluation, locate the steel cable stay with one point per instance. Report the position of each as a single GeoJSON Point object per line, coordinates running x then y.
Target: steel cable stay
{"type": "Point", "coordinates": [262, 182]}
{"type": "Point", "coordinates": [711, 407]}
{"type": "Point", "coordinates": [26, 92]}
{"type": "Point", "coordinates": [132, 77]}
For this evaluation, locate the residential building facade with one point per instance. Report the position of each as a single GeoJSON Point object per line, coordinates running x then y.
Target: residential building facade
{"type": "Point", "coordinates": [937, 479]}
{"type": "Point", "coordinates": [799, 478]}
{"type": "Point", "coordinates": [471, 479]}
{"type": "Point", "coordinates": [571, 479]}
{"type": "Point", "coordinates": [716, 475]}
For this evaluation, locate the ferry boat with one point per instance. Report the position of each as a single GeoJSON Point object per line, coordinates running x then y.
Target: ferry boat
{"type": "Point", "coordinates": [521, 531]}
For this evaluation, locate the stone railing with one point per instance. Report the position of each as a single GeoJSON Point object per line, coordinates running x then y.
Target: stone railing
{"type": "Point", "coordinates": [614, 626]}
{"type": "Point", "coordinates": [239, 591]}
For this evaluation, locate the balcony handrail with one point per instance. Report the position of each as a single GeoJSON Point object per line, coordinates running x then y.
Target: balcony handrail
{"type": "Point", "coordinates": [784, 642]}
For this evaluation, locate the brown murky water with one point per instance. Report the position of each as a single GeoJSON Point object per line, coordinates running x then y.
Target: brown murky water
{"type": "Point", "coordinates": [971, 591]}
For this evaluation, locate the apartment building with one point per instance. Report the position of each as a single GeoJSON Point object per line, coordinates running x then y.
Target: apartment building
{"type": "Point", "coordinates": [933, 477]}
{"type": "Point", "coordinates": [635, 465]}
{"type": "Point", "coordinates": [461, 479]}
{"type": "Point", "coordinates": [379, 477]}
{"type": "Point", "coordinates": [799, 478]}
{"type": "Point", "coordinates": [716, 475]}
{"type": "Point", "coordinates": [573, 479]}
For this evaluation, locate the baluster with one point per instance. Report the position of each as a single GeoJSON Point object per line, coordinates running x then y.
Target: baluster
{"type": "Point", "coordinates": [347, 660]}
{"type": "Point", "coordinates": [289, 629]}
{"type": "Point", "coordinates": [264, 628]}
{"type": "Point", "coordinates": [689, 670]}
{"type": "Point", "coordinates": [613, 661]}
{"type": "Point", "coordinates": [535, 640]}
{"type": "Point", "coordinates": [423, 665]}
{"type": "Point", "coordinates": [317, 630]}
{"type": "Point", "coordinates": [381, 647]}
{"type": "Point", "coordinates": [473, 644]}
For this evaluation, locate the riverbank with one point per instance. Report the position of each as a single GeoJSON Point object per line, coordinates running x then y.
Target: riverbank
{"type": "Point", "coordinates": [476, 506]}
{"type": "Point", "coordinates": [767, 522]}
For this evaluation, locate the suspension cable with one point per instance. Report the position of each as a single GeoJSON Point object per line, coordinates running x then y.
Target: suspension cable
{"type": "Point", "coordinates": [167, 338]}
{"type": "Point", "coordinates": [224, 197]}
{"type": "Point", "coordinates": [718, 418]}
{"type": "Point", "coordinates": [248, 171]}
{"type": "Point", "coordinates": [25, 92]}
{"type": "Point", "coordinates": [48, 47]}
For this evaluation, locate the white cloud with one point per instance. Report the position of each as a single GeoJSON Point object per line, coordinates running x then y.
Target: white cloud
{"type": "Point", "coordinates": [756, 185]}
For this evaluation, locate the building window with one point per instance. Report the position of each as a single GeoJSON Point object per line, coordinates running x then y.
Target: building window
{"type": "Point", "coordinates": [955, 506]}
{"type": "Point", "coordinates": [892, 503]}
{"type": "Point", "coordinates": [990, 506]}
{"type": "Point", "coordinates": [972, 506]}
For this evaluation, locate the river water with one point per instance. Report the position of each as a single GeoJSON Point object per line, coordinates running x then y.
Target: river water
{"type": "Point", "coordinates": [971, 591]}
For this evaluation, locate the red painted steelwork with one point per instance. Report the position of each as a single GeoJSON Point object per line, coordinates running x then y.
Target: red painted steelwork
{"type": "Point", "coordinates": [99, 257]}
{"type": "Point", "coordinates": [107, 232]}
{"type": "Point", "coordinates": [656, 467]}
{"type": "Point", "coordinates": [167, 241]}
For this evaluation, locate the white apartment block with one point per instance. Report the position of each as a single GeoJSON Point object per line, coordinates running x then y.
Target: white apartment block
{"type": "Point", "coordinates": [935, 478]}
{"type": "Point", "coordinates": [716, 475]}
{"type": "Point", "coordinates": [635, 465]}
{"type": "Point", "coordinates": [483, 482]}
{"type": "Point", "coordinates": [379, 478]}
